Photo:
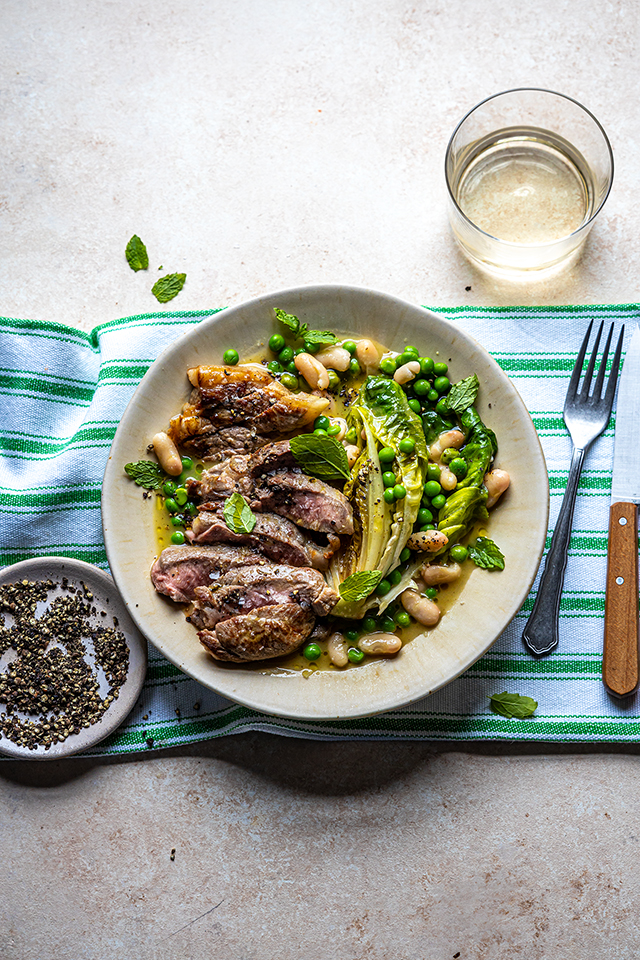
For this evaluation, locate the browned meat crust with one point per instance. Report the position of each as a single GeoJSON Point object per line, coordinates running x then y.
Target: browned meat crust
{"type": "Point", "coordinates": [270, 631]}
{"type": "Point", "coordinates": [308, 502]}
{"type": "Point", "coordinates": [179, 570]}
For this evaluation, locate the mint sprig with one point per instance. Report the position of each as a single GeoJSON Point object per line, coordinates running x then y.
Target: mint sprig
{"type": "Point", "coordinates": [512, 705]}
{"type": "Point", "coordinates": [237, 514]}
{"type": "Point", "coordinates": [322, 457]}
{"type": "Point", "coordinates": [166, 288]}
{"type": "Point", "coordinates": [486, 554]}
{"type": "Point", "coordinates": [146, 474]}
{"type": "Point", "coordinates": [136, 254]}
{"type": "Point", "coordinates": [300, 331]}
{"type": "Point", "coordinates": [359, 585]}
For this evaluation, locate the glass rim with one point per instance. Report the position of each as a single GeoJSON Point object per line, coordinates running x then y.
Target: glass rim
{"type": "Point", "coordinates": [553, 93]}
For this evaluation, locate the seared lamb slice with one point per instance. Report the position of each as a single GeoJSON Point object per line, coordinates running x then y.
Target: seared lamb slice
{"type": "Point", "coordinates": [272, 457]}
{"type": "Point", "coordinates": [179, 570]}
{"type": "Point", "coordinates": [270, 631]}
{"type": "Point", "coordinates": [276, 537]}
{"type": "Point", "coordinates": [221, 480]}
{"type": "Point", "coordinates": [242, 396]}
{"type": "Point", "coordinates": [247, 588]}
{"type": "Point", "coordinates": [308, 502]}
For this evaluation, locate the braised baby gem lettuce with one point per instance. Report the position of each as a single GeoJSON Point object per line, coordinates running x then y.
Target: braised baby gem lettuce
{"type": "Point", "coordinates": [382, 412]}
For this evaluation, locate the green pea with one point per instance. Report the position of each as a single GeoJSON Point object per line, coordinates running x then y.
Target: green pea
{"type": "Point", "coordinates": [355, 655]}
{"type": "Point", "coordinates": [320, 432]}
{"type": "Point", "coordinates": [334, 380]}
{"type": "Point", "coordinates": [312, 651]}
{"type": "Point", "coordinates": [388, 495]}
{"type": "Point", "coordinates": [177, 521]}
{"type": "Point", "coordinates": [458, 553]}
{"type": "Point", "coordinates": [369, 624]}
{"type": "Point", "coordinates": [448, 455]}
{"type": "Point", "coordinates": [298, 351]}
{"type": "Point", "coordinates": [411, 349]}
{"type": "Point", "coordinates": [431, 592]}
{"type": "Point", "coordinates": [276, 343]}
{"type": "Point", "coordinates": [440, 369]}
{"type": "Point", "coordinates": [432, 488]}
{"type": "Point", "coordinates": [334, 429]}
{"type": "Point", "coordinates": [404, 358]}
{"type": "Point", "coordinates": [321, 423]}
{"type": "Point", "coordinates": [389, 478]}
{"type": "Point", "coordinates": [187, 463]}
{"type": "Point", "coordinates": [191, 510]}
{"type": "Point", "coordinates": [442, 407]}
{"type": "Point", "coordinates": [285, 356]}
{"type": "Point", "coordinates": [274, 367]}
{"type": "Point", "coordinates": [177, 537]}
{"type": "Point", "coordinates": [432, 396]}
{"type": "Point", "coordinates": [388, 625]}
{"type": "Point", "coordinates": [426, 366]}
{"type": "Point", "coordinates": [312, 347]}
{"type": "Point", "coordinates": [181, 496]}
{"type": "Point", "coordinates": [351, 635]}
{"type": "Point", "coordinates": [407, 446]}
{"type": "Point", "coordinates": [171, 505]}
{"type": "Point", "coordinates": [402, 618]}
{"type": "Point", "coordinates": [386, 455]}
{"type": "Point", "coordinates": [405, 555]}
{"type": "Point", "coordinates": [350, 346]}
{"type": "Point", "coordinates": [383, 588]}
{"type": "Point", "coordinates": [438, 502]}
{"type": "Point", "coordinates": [414, 404]}
{"type": "Point", "coordinates": [458, 468]}
{"type": "Point", "coordinates": [399, 491]}
{"type": "Point", "coordinates": [351, 436]}
{"type": "Point", "coordinates": [433, 471]}
{"type": "Point", "coordinates": [427, 526]}
{"type": "Point", "coordinates": [169, 488]}
{"type": "Point", "coordinates": [289, 381]}
{"type": "Point", "coordinates": [230, 357]}
{"type": "Point", "coordinates": [424, 516]}
{"type": "Point", "coordinates": [388, 366]}
{"type": "Point", "coordinates": [395, 577]}
{"type": "Point", "coordinates": [442, 384]}
{"type": "Point", "coordinates": [421, 388]}
{"type": "Point", "coordinates": [291, 368]}
{"type": "Point", "coordinates": [354, 368]}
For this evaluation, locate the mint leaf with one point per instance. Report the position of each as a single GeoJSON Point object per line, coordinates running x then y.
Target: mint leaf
{"type": "Point", "coordinates": [463, 394]}
{"type": "Point", "coordinates": [359, 585]}
{"type": "Point", "coordinates": [301, 331]}
{"type": "Point", "coordinates": [291, 321]}
{"type": "Point", "coordinates": [166, 288]}
{"type": "Point", "coordinates": [486, 554]}
{"type": "Point", "coordinates": [319, 338]}
{"type": "Point", "coordinates": [320, 456]}
{"type": "Point", "coordinates": [512, 705]}
{"type": "Point", "coordinates": [146, 474]}
{"type": "Point", "coordinates": [136, 254]}
{"type": "Point", "coordinates": [238, 515]}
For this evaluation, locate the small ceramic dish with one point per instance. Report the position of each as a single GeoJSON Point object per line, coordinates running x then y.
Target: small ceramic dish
{"type": "Point", "coordinates": [489, 600]}
{"type": "Point", "coordinates": [110, 611]}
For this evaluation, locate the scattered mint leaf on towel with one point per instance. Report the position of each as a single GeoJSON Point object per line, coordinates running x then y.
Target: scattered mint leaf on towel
{"type": "Point", "coordinates": [512, 705]}
{"type": "Point", "coordinates": [146, 474]}
{"type": "Point", "coordinates": [486, 554]}
{"type": "Point", "coordinates": [320, 456]}
{"type": "Point", "coordinates": [359, 585]}
{"type": "Point", "coordinates": [166, 288]}
{"type": "Point", "coordinates": [238, 515]}
{"type": "Point", "coordinates": [463, 394]}
{"type": "Point", "coordinates": [136, 254]}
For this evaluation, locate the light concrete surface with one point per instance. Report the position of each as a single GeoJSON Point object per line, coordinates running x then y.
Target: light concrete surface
{"type": "Point", "coordinates": [258, 144]}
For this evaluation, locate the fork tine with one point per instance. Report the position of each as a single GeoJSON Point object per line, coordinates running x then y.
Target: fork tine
{"type": "Point", "coordinates": [602, 369]}
{"type": "Point", "coordinates": [586, 383]}
{"type": "Point", "coordinates": [613, 376]}
{"type": "Point", "coordinates": [577, 370]}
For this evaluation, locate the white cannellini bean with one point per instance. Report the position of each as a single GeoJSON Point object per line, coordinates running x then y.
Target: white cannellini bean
{"type": "Point", "coordinates": [337, 648]}
{"type": "Point", "coordinates": [439, 573]}
{"type": "Point", "coordinates": [167, 454]}
{"type": "Point", "coordinates": [342, 423]}
{"type": "Point", "coordinates": [352, 453]}
{"type": "Point", "coordinates": [450, 438]}
{"type": "Point", "coordinates": [429, 540]}
{"type": "Point", "coordinates": [422, 609]}
{"type": "Point", "coordinates": [448, 479]}
{"type": "Point", "coordinates": [314, 373]}
{"type": "Point", "coordinates": [334, 358]}
{"type": "Point", "coordinates": [367, 355]}
{"type": "Point", "coordinates": [496, 483]}
{"type": "Point", "coordinates": [380, 644]}
{"type": "Point", "coordinates": [408, 371]}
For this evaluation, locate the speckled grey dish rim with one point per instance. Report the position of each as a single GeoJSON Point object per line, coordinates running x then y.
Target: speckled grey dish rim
{"type": "Point", "coordinates": [489, 601]}
{"type": "Point", "coordinates": [102, 587]}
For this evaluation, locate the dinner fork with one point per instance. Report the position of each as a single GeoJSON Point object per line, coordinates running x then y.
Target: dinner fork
{"type": "Point", "coordinates": [586, 416]}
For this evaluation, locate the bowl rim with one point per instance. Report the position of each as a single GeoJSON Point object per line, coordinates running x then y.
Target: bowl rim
{"type": "Point", "coordinates": [113, 471]}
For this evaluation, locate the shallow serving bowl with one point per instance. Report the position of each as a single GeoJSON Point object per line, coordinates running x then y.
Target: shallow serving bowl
{"type": "Point", "coordinates": [431, 660]}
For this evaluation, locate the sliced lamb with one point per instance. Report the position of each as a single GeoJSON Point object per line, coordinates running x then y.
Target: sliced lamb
{"type": "Point", "coordinates": [272, 457]}
{"type": "Point", "coordinates": [270, 631]}
{"type": "Point", "coordinates": [178, 571]}
{"type": "Point", "coordinates": [308, 502]}
{"type": "Point", "coordinates": [220, 481]}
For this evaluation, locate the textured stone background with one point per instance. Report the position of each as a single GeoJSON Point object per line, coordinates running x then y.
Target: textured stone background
{"type": "Point", "coordinates": [256, 145]}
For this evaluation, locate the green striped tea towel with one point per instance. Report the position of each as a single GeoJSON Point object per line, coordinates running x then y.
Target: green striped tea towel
{"type": "Point", "coordinates": [62, 393]}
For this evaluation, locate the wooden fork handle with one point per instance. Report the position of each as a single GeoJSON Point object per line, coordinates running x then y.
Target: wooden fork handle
{"type": "Point", "coordinates": [620, 659]}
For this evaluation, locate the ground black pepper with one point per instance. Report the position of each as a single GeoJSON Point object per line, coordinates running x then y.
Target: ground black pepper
{"type": "Point", "coordinates": [53, 676]}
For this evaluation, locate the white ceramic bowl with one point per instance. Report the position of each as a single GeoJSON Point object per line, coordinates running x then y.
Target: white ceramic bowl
{"type": "Point", "coordinates": [432, 659]}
